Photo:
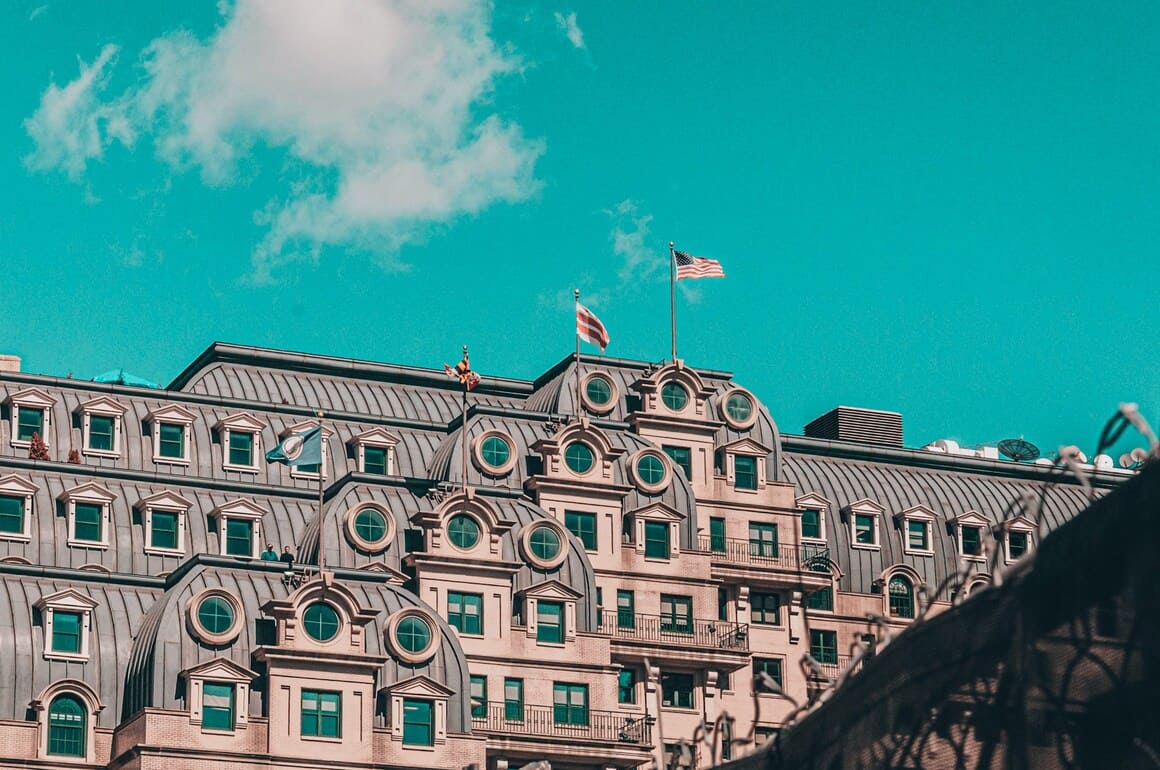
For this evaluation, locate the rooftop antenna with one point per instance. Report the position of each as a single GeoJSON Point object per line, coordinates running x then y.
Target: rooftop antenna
{"type": "Point", "coordinates": [1018, 450]}
{"type": "Point", "coordinates": [1133, 459]}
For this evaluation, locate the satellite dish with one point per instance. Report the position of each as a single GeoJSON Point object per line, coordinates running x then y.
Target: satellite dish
{"type": "Point", "coordinates": [1018, 449]}
{"type": "Point", "coordinates": [1126, 461]}
{"type": "Point", "coordinates": [1138, 455]}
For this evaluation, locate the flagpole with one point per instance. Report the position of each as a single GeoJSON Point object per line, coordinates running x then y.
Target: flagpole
{"type": "Point", "coordinates": [321, 470]}
{"type": "Point", "coordinates": [673, 295]}
{"type": "Point", "coordinates": [463, 420]}
{"type": "Point", "coordinates": [577, 293]}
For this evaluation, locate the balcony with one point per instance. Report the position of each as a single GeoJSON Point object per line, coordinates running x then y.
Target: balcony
{"type": "Point", "coordinates": [541, 722]}
{"type": "Point", "coordinates": [689, 635]}
{"type": "Point", "coordinates": [831, 669]}
{"type": "Point", "coordinates": [765, 561]}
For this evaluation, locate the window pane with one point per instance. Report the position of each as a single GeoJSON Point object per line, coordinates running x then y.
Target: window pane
{"type": "Point", "coordinates": [215, 614]}
{"type": "Point", "coordinates": [656, 539]}
{"type": "Point", "coordinates": [811, 523]}
{"type": "Point", "coordinates": [650, 469]}
{"type": "Point", "coordinates": [66, 632]}
{"type": "Point", "coordinates": [824, 646]}
{"type": "Point", "coordinates": [972, 541]}
{"type": "Point", "coordinates": [917, 535]}
{"type": "Point", "coordinates": [418, 722]}
{"type": "Point", "coordinates": [579, 457]}
{"type": "Point", "coordinates": [371, 525]}
{"type": "Point", "coordinates": [626, 686]}
{"type": "Point", "coordinates": [549, 622]}
{"type": "Point", "coordinates": [463, 531]}
{"type": "Point", "coordinates": [677, 690]}
{"type": "Point", "coordinates": [625, 609]}
{"type": "Point", "coordinates": [321, 714]}
{"type": "Point", "coordinates": [513, 699]}
{"type": "Point", "coordinates": [66, 727]}
{"type": "Point", "coordinates": [478, 696]}
{"type": "Point", "coordinates": [769, 666]}
{"type": "Point", "coordinates": [87, 523]}
{"type": "Point", "coordinates": [320, 622]}
{"type": "Point", "coordinates": [745, 472]}
{"type": "Point", "coordinates": [217, 706]}
{"type": "Point", "coordinates": [717, 534]}
{"type": "Point", "coordinates": [598, 390]}
{"type": "Point", "coordinates": [241, 448]}
{"type": "Point", "coordinates": [413, 634]}
{"type": "Point", "coordinates": [375, 460]}
{"type": "Point", "coordinates": [164, 530]}
{"type": "Point", "coordinates": [766, 609]}
{"type": "Point", "coordinates": [239, 537]}
{"type": "Point", "coordinates": [864, 529]}
{"type": "Point", "coordinates": [583, 526]}
{"type": "Point", "coordinates": [495, 451]}
{"type": "Point", "coordinates": [763, 540]}
{"type": "Point", "coordinates": [101, 432]}
{"type": "Point", "coordinates": [677, 614]}
{"type": "Point", "coordinates": [901, 597]}
{"type": "Point", "coordinates": [570, 703]}
{"type": "Point", "coordinates": [682, 457]}
{"type": "Point", "coordinates": [465, 612]}
{"type": "Point", "coordinates": [544, 542]}
{"type": "Point", "coordinates": [674, 395]}
{"type": "Point", "coordinates": [171, 440]}
{"type": "Point", "coordinates": [1016, 544]}
{"type": "Point", "coordinates": [29, 421]}
{"type": "Point", "coordinates": [822, 599]}
{"type": "Point", "coordinates": [11, 514]}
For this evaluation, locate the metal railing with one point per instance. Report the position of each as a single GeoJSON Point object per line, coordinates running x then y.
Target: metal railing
{"type": "Point", "coordinates": [832, 670]}
{"type": "Point", "coordinates": [665, 629]}
{"type": "Point", "coordinates": [739, 551]}
{"type": "Point", "coordinates": [541, 721]}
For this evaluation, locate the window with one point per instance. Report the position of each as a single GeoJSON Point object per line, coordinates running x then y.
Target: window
{"type": "Point", "coordinates": [171, 440]}
{"type": "Point", "coordinates": [583, 526]}
{"type": "Point", "coordinates": [822, 599]}
{"type": "Point", "coordinates": [865, 529]}
{"type": "Point", "coordinates": [650, 471]}
{"type": "Point", "coordinates": [239, 528]}
{"type": "Point", "coordinates": [722, 604]}
{"type": "Point", "coordinates": [626, 686]}
{"type": "Point", "coordinates": [495, 451]}
{"type": "Point", "coordinates": [87, 522]}
{"type": "Point", "coordinates": [549, 622]}
{"type": "Point", "coordinates": [239, 537]}
{"type": "Point", "coordinates": [745, 472]}
{"type": "Point", "coordinates": [321, 714]}
{"type": "Point", "coordinates": [824, 646]}
{"type": "Point", "coordinates": [766, 609]}
{"type": "Point", "coordinates": [320, 621]}
{"type": "Point", "coordinates": [917, 535]}
{"type": "Point", "coordinates": [215, 615]}
{"type": "Point", "coordinates": [371, 526]}
{"type": "Point", "coordinates": [163, 532]}
{"type": "Point", "coordinates": [677, 614]}
{"type": "Point", "coordinates": [241, 448]}
{"type": "Point", "coordinates": [12, 514]}
{"type": "Point", "coordinates": [971, 538]}
{"type": "Point", "coordinates": [812, 523]}
{"type": "Point", "coordinates": [901, 594]}
{"type": "Point", "coordinates": [625, 609]}
{"type": "Point", "coordinates": [67, 724]}
{"type": "Point", "coordinates": [66, 632]}
{"type": "Point", "coordinates": [374, 460]}
{"type": "Point", "coordinates": [544, 543]}
{"type": "Point", "coordinates": [677, 690]}
{"type": "Point", "coordinates": [478, 696]}
{"type": "Point", "coordinates": [217, 706]}
{"type": "Point", "coordinates": [763, 540]}
{"type": "Point", "coordinates": [579, 457]}
{"type": "Point", "coordinates": [770, 667]}
{"type": "Point", "coordinates": [418, 722]}
{"type": "Point", "coordinates": [717, 534]}
{"type": "Point", "coordinates": [465, 612]}
{"type": "Point", "coordinates": [102, 432]}
{"type": "Point", "coordinates": [682, 457]}
{"type": "Point", "coordinates": [29, 421]}
{"type": "Point", "coordinates": [1016, 544]}
{"type": "Point", "coordinates": [656, 540]}
{"type": "Point", "coordinates": [513, 699]}
{"type": "Point", "coordinates": [738, 408]}
{"type": "Point", "coordinates": [569, 703]}
{"type": "Point", "coordinates": [598, 391]}
{"type": "Point", "coordinates": [674, 396]}
{"type": "Point", "coordinates": [463, 531]}
{"type": "Point", "coordinates": [413, 634]}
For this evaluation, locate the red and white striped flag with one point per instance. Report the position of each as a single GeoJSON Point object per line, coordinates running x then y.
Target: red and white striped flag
{"type": "Point", "coordinates": [589, 328]}
{"type": "Point", "coordinates": [689, 266]}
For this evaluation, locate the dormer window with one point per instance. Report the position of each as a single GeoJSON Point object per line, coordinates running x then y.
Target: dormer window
{"type": "Point", "coordinates": [239, 528]}
{"type": "Point", "coordinates": [463, 531]}
{"type": "Point", "coordinates": [31, 414]}
{"type": "Point", "coordinates": [917, 524]}
{"type": "Point", "coordinates": [88, 508]}
{"type": "Point", "coordinates": [864, 518]}
{"type": "Point", "coordinates": [218, 692]}
{"type": "Point", "coordinates": [412, 635]}
{"type": "Point", "coordinates": [241, 441]}
{"type": "Point", "coordinates": [67, 617]}
{"type": "Point", "coordinates": [550, 608]}
{"type": "Point", "coordinates": [15, 508]}
{"type": "Point", "coordinates": [813, 519]}
{"type": "Point", "coordinates": [599, 393]}
{"type": "Point", "coordinates": [744, 472]}
{"type": "Point", "coordinates": [544, 546]}
{"type": "Point", "coordinates": [674, 396]}
{"type": "Point", "coordinates": [737, 409]}
{"type": "Point", "coordinates": [970, 528]}
{"type": "Point", "coordinates": [163, 517]}
{"type": "Point", "coordinates": [101, 423]}
{"type": "Point", "coordinates": [744, 466]}
{"type": "Point", "coordinates": [172, 429]}
{"type": "Point", "coordinates": [655, 529]}
{"type": "Point", "coordinates": [374, 451]}
{"type": "Point", "coordinates": [1018, 538]}
{"type": "Point", "coordinates": [579, 457]}
{"type": "Point", "coordinates": [494, 453]}
{"type": "Point", "coordinates": [418, 712]}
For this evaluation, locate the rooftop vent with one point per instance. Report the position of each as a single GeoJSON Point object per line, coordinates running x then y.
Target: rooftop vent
{"type": "Point", "coordinates": [9, 363]}
{"type": "Point", "coordinates": [851, 423]}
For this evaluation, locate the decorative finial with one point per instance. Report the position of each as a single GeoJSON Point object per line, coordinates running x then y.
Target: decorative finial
{"type": "Point", "coordinates": [670, 244]}
{"type": "Point", "coordinates": [577, 293]}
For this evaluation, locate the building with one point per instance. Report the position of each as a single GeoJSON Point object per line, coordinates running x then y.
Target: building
{"type": "Point", "coordinates": [584, 570]}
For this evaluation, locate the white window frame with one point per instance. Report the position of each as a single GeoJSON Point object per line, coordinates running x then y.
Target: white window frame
{"type": "Point", "coordinates": [375, 437]}
{"type": "Point", "coordinates": [865, 507]}
{"type": "Point", "coordinates": [166, 502]}
{"type": "Point", "coordinates": [1019, 524]}
{"type": "Point", "coordinates": [96, 495]}
{"type": "Point", "coordinates": [664, 514]}
{"type": "Point", "coordinates": [241, 423]}
{"type": "Point", "coordinates": [919, 513]}
{"type": "Point", "coordinates": [225, 671]}
{"type": "Point", "coordinates": [814, 502]}
{"type": "Point", "coordinates": [240, 509]}
{"type": "Point", "coordinates": [68, 600]}
{"type": "Point", "coordinates": [31, 398]}
{"type": "Point", "coordinates": [173, 415]}
{"type": "Point", "coordinates": [101, 407]}
{"type": "Point", "coordinates": [14, 486]}
{"type": "Point", "coordinates": [419, 688]}
{"type": "Point", "coordinates": [550, 591]}
{"type": "Point", "coordinates": [972, 519]}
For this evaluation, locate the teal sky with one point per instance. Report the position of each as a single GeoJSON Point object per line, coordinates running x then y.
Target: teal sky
{"type": "Point", "coordinates": [944, 209]}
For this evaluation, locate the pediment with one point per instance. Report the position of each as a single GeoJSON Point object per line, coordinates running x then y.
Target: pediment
{"type": "Point", "coordinates": [421, 686]}
{"type": "Point", "coordinates": [166, 500]}
{"type": "Point", "coordinates": [676, 371]}
{"type": "Point", "coordinates": [222, 669]}
{"type": "Point", "coordinates": [552, 590]}
{"type": "Point", "coordinates": [745, 446]}
{"type": "Point", "coordinates": [244, 421]}
{"type": "Point", "coordinates": [972, 519]}
{"type": "Point", "coordinates": [374, 437]}
{"type": "Point", "coordinates": [918, 512]}
{"type": "Point", "coordinates": [813, 500]}
{"type": "Point", "coordinates": [393, 576]}
{"type": "Point", "coordinates": [101, 405]}
{"type": "Point", "coordinates": [31, 397]}
{"type": "Point", "coordinates": [17, 486]}
{"type": "Point", "coordinates": [68, 599]}
{"type": "Point", "coordinates": [579, 430]}
{"type": "Point", "coordinates": [89, 492]}
{"type": "Point", "coordinates": [240, 508]}
{"type": "Point", "coordinates": [306, 425]}
{"type": "Point", "coordinates": [865, 505]}
{"type": "Point", "coordinates": [658, 512]}
{"type": "Point", "coordinates": [172, 413]}
{"type": "Point", "coordinates": [1022, 524]}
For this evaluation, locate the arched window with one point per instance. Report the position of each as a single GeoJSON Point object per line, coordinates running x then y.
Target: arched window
{"type": "Point", "coordinates": [67, 721]}
{"type": "Point", "coordinates": [901, 594]}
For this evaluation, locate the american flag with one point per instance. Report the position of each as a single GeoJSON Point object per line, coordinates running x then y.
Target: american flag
{"type": "Point", "coordinates": [689, 266]}
{"type": "Point", "coordinates": [589, 328]}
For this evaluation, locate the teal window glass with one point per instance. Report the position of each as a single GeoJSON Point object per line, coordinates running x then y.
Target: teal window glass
{"type": "Point", "coordinates": [677, 613]}
{"type": "Point", "coordinates": [822, 599]}
{"type": "Point", "coordinates": [239, 537]}
{"type": "Point", "coordinates": [739, 407]}
{"type": "Point", "coordinates": [66, 632]}
{"type": "Point", "coordinates": [29, 421]}
{"type": "Point", "coordinates": [217, 706]}
{"type": "Point", "coordinates": [625, 609]}
{"type": "Point", "coordinates": [370, 525]}
{"type": "Point", "coordinates": [824, 646]}
{"type": "Point", "coordinates": [544, 542]}
{"type": "Point", "coordinates": [549, 622]}
{"type": "Point", "coordinates": [918, 535]}
{"type": "Point", "coordinates": [495, 451]}
{"type": "Point", "coordinates": [682, 457]}
{"type": "Point", "coordinates": [901, 594]}
{"type": "Point", "coordinates": [478, 696]}
{"type": "Point", "coordinates": [375, 460]}
{"type": "Point", "coordinates": [11, 514]}
{"type": "Point", "coordinates": [769, 666]}
{"type": "Point", "coordinates": [570, 703]}
{"type": "Point", "coordinates": [215, 614]}
{"type": "Point", "coordinates": [101, 428]}
{"type": "Point", "coordinates": [513, 699]}
{"type": "Point", "coordinates": [413, 634]}
{"type": "Point", "coordinates": [583, 526]}
{"type": "Point", "coordinates": [320, 621]}
{"type": "Point", "coordinates": [418, 722]}
{"type": "Point", "coordinates": [321, 714]}
{"type": "Point", "coordinates": [626, 686]}
{"type": "Point", "coordinates": [745, 472]}
{"type": "Point", "coordinates": [88, 520]}
{"type": "Point", "coordinates": [676, 690]}
{"type": "Point", "coordinates": [674, 395]}
{"type": "Point", "coordinates": [766, 608]}
{"type": "Point", "coordinates": [722, 603]}
{"type": "Point", "coordinates": [579, 457]}
{"type": "Point", "coordinates": [717, 534]}
{"type": "Point", "coordinates": [171, 440]}
{"type": "Point", "coordinates": [972, 538]}
{"type": "Point", "coordinates": [864, 529]}
{"type": "Point", "coordinates": [67, 722]}
{"type": "Point", "coordinates": [811, 523]}
{"type": "Point", "coordinates": [163, 532]}
{"type": "Point", "coordinates": [465, 612]}
{"type": "Point", "coordinates": [656, 539]}
{"type": "Point", "coordinates": [1016, 544]}
{"type": "Point", "coordinates": [463, 531]}
{"type": "Point", "coordinates": [241, 448]}
{"type": "Point", "coordinates": [599, 390]}
{"type": "Point", "coordinates": [763, 539]}
{"type": "Point", "coordinates": [650, 469]}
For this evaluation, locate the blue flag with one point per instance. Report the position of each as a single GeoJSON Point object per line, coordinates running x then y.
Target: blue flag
{"type": "Point", "coordinates": [304, 448]}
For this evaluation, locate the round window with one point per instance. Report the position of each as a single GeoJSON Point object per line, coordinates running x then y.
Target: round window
{"type": "Point", "coordinates": [371, 525]}
{"type": "Point", "coordinates": [320, 621]}
{"type": "Point", "coordinates": [739, 407]}
{"type": "Point", "coordinates": [579, 457]}
{"type": "Point", "coordinates": [413, 634]}
{"type": "Point", "coordinates": [215, 614]}
{"type": "Point", "coordinates": [495, 451]}
{"type": "Point", "coordinates": [650, 469]}
{"type": "Point", "coordinates": [598, 390]}
{"type": "Point", "coordinates": [545, 543]}
{"type": "Point", "coordinates": [675, 396]}
{"type": "Point", "coordinates": [463, 531]}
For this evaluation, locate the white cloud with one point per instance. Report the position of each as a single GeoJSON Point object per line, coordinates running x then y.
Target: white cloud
{"type": "Point", "coordinates": [382, 107]}
{"type": "Point", "coordinates": [640, 262]}
{"type": "Point", "coordinates": [570, 28]}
